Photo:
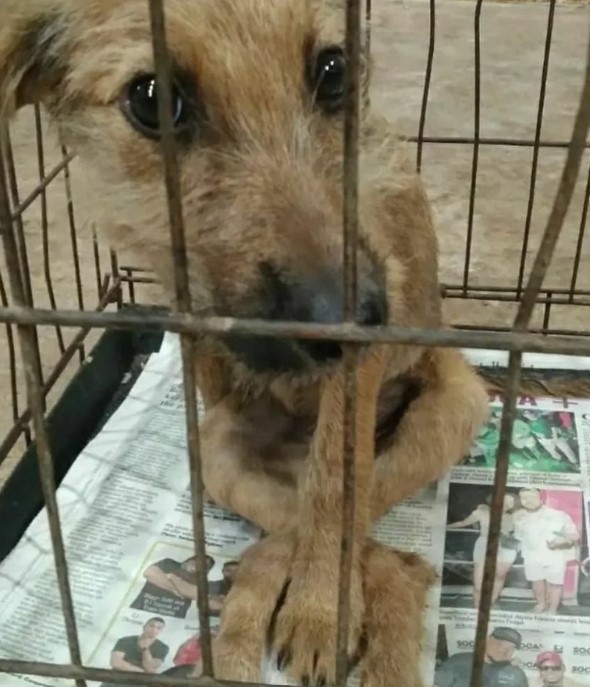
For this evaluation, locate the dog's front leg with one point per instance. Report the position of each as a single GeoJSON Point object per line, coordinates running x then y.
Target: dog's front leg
{"type": "Point", "coordinates": [306, 625]}
{"type": "Point", "coordinates": [436, 431]}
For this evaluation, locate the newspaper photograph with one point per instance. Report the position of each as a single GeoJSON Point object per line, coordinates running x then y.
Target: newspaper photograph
{"type": "Point", "coordinates": [125, 511]}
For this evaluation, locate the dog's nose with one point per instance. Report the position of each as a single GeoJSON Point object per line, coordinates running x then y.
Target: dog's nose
{"type": "Point", "coordinates": [371, 311]}
{"type": "Point", "coordinates": [320, 300]}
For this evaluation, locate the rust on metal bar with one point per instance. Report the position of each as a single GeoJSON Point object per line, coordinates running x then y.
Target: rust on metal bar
{"type": "Point", "coordinates": [546, 250]}
{"type": "Point", "coordinates": [536, 148]}
{"type": "Point", "coordinates": [351, 156]}
{"type": "Point", "coordinates": [45, 461]}
{"type": "Point", "coordinates": [180, 323]}
{"type": "Point", "coordinates": [496, 508]}
{"type": "Point", "coordinates": [350, 189]}
{"type": "Point", "coordinates": [183, 304]}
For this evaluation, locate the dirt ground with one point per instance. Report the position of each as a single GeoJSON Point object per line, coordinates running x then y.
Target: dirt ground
{"type": "Point", "coordinates": [513, 37]}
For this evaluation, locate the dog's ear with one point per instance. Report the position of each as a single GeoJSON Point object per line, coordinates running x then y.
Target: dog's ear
{"type": "Point", "coordinates": [32, 52]}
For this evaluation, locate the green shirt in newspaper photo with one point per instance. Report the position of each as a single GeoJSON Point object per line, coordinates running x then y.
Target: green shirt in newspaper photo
{"type": "Point", "coordinates": [542, 441]}
{"type": "Point", "coordinates": [498, 669]}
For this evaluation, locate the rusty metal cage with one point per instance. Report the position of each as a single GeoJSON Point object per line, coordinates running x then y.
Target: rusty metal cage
{"type": "Point", "coordinates": [24, 323]}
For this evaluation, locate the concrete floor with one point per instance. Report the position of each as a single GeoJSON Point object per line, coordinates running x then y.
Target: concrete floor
{"type": "Point", "coordinates": [512, 39]}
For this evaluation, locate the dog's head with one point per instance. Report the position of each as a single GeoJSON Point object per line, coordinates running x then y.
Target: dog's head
{"type": "Point", "coordinates": [258, 111]}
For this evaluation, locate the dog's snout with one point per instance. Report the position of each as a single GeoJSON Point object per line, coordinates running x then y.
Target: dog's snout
{"type": "Point", "coordinates": [371, 311]}
{"type": "Point", "coordinates": [320, 299]}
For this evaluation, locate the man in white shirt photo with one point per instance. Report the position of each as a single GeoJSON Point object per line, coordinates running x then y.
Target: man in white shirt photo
{"type": "Point", "coordinates": [548, 541]}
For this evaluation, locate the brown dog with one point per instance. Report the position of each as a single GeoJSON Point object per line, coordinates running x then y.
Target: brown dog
{"type": "Point", "coordinates": [258, 104]}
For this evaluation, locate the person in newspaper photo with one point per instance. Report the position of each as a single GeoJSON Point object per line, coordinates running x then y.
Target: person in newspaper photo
{"type": "Point", "coordinates": [189, 654]}
{"type": "Point", "coordinates": [542, 441]}
{"type": "Point", "coordinates": [508, 547]}
{"type": "Point", "coordinates": [498, 670]}
{"type": "Point", "coordinates": [218, 589]}
{"type": "Point", "coordinates": [140, 654]}
{"type": "Point", "coordinates": [551, 671]}
{"type": "Point", "coordinates": [170, 588]}
{"type": "Point", "coordinates": [549, 539]}
{"type": "Point", "coordinates": [553, 431]}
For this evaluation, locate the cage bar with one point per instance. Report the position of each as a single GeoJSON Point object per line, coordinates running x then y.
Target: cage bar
{"type": "Point", "coordinates": [476, 130]}
{"type": "Point", "coordinates": [45, 223]}
{"type": "Point", "coordinates": [536, 148]}
{"type": "Point", "coordinates": [183, 305]}
{"type": "Point", "coordinates": [350, 282]}
{"type": "Point", "coordinates": [73, 238]}
{"type": "Point", "coordinates": [420, 139]}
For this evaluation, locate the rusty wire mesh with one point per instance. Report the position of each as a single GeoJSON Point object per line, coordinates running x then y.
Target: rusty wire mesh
{"type": "Point", "coordinates": [21, 318]}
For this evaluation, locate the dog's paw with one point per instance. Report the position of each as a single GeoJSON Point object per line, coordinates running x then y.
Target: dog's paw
{"type": "Point", "coordinates": [236, 657]}
{"type": "Point", "coordinates": [305, 631]}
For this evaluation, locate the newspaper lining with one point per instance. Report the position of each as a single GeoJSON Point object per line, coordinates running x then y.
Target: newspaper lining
{"type": "Point", "coordinates": [125, 513]}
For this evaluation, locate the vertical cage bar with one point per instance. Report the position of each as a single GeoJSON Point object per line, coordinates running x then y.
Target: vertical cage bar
{"type": "Point", "coordinates": [427, 78]}
{"type": "Point", "coordinates": [97, 267]}
{"type": "Point", "coordinates": [368, 19]}
{"type": "Point", "coordinates": [116, 278]}
{"type": "Point", "coordinates": [580, 241]}
{"type": "Point", "coordinates": [73, 237]}
{"type": "Point", "coordinates": [12, 364]}
{"type": "Point", "coordinates": [553, 228]}
{"type": "Point", "coordinates": [28, 344]}
{"type": "Point", "coordinates": [350, 245]}
{"type": "Point", "coordinates": [45, 224]}
{"type": "Point", "coordinates": [476, 136]}
{"type": "Point", "coordinates": [496, 507]}
{"type": "Point", "coordinates": [183, 304]}
{"type": "Point", "coordinates": [351, 157]}
{"type": "Point", "coordinates": [130, 285]}
{"type": "Point", "coordinates": [536, 148]}
{"type": "Point", "coordinates": [547, 311]}
{"type": "Point", "coordinates": [20, 237]}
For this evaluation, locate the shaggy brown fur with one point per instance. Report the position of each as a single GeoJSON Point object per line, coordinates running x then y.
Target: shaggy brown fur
{"type": "Point", "coordinates": [260, 147]}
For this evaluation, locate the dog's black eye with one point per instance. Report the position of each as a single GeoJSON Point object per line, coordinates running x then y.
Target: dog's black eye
{"type": "Point", "coordinates": [141, 106]}
{"type": "Point", "coordinates": [328, 79]}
